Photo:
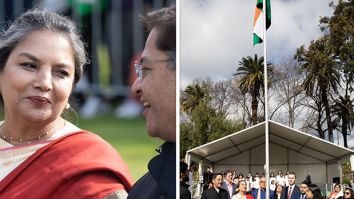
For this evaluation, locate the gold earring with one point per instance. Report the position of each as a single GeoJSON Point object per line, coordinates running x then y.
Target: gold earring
{"type": "Point", "coordinates": [67, 106]}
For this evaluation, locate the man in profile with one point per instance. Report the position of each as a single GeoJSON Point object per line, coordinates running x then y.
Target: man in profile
{"type": "Point", "coordinates": [156, 89]}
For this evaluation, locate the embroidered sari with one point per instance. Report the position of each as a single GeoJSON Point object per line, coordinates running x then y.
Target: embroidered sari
{"type": "Point", "coordinates": [77, 165]}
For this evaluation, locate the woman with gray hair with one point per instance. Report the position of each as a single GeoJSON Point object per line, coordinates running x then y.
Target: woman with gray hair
{"type": "Point", "coordinates": [41, 154]}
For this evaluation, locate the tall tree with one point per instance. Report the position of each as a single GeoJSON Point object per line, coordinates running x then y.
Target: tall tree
{"type": "Point", "coordinates": [288, 92]}
{"type": "Point", "coordinates": [204, 120]}
{"type": "Point", "coordinates": [340, 30]}
{"type": "Point", "coordinates": [344, 116]}
{"type": "Point", "coordinates": [192, 96]}
{"type": "Point", "coordinates": [321, 72]}
{"type": "Point", "coordinates": [252, 81]}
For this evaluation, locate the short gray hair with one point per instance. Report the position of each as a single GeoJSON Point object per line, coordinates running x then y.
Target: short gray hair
{"type": "Point", "coordinates": [36, 20]}
{"type": "Point", "coordinates": [164, 21]}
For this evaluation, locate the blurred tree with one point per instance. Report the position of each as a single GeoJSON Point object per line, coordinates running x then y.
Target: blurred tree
{"type": "Point", "coordinates": [340, 30]}
{"type": "Point", "coordinates": [321, 74]}
{"type": "Point", "coordinates": [288, 92]}
{"type": "Point", "coordinates": [192, 96]}
{"type": "Point", "coordinates": [252, 81]}
{"type": "Point", "coordinates": [329, 63]}
{"type": "Point", "coordinates": [204, 122]}
{"type": "Point", "coordinates": [344, 116]}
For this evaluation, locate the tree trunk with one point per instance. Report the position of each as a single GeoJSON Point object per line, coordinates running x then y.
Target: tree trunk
{"type": "Point", "coordinates": [319, 126]}
{"type": "Point", "coordinates": [254, 108]}
{"type": "Point", "coordinates": [344, 133]}
{"type": "Point", "coordinates": [328, 114]}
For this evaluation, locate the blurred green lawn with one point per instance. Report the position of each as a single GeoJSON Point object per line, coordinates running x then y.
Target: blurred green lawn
{"type": "Point", "coordinates": [129, 137]}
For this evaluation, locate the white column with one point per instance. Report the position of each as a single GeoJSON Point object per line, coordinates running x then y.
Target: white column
{"type": "Point", "coordinates": [200, 180]}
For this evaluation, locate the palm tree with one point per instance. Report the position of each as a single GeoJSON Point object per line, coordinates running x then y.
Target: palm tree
{"type": "Point", "coordinates": [321, 74]}
{"type": "Point", "coordinates": [343, 110]}
{"type": "Point", "coordinates": [252, 81]}
{"type": "Point", "coordinates": [192, 96]}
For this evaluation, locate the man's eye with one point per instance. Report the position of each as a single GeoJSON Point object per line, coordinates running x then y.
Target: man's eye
{"type": "Point", "coordinates": [144, 71]}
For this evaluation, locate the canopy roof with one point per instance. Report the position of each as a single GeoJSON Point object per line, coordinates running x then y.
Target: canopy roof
{"type": "Point", "coordinates": [280, 135]}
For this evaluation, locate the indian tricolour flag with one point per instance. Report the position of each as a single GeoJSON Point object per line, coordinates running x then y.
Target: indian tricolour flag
{"type": "Point", "coordinates": [258, 23]}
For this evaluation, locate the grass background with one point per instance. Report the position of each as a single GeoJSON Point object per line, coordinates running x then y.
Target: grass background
{"type": "Point", "coordinates": [128, 137]}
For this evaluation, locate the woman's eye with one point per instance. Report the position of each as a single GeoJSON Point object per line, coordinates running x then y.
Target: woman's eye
{"type": "Point", "coordinates": [28, 65]}
{"type": "Point", "coordinates": [63, 73]}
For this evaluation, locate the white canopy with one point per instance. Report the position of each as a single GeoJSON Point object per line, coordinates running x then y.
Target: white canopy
{"type": "Point", "coordinates": [290, 150]}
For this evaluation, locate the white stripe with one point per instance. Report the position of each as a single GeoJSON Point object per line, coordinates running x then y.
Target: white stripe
{"type": "Point", "coordinates": [259, 26]}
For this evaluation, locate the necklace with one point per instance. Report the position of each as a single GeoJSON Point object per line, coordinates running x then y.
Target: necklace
{"type": "Point", "coordinates": [28, 141]}
{"type": "Point", "coordinates": [11, 139]}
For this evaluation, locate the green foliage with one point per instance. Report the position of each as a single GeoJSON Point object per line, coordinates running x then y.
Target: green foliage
{"type": "Point", "coordinates": [346, 180]}
{"type": "Point", "coordinates": [347, 169]}
{"type": "Point", "coordinates": [328, 63]}
{"type": "Point", "coordinates": [204, 123]}
{"type": "Point", "coordinates": [192, 96]}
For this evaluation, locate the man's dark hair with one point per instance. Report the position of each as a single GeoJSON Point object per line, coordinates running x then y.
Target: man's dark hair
{"type": "Point", "coordinates": [307, 180]}
{"type": "Point", "coordinates": [183, 167]}
{"type": "Point", "coordinates": [292, 173]}
{"type": "Point", "coordinates": [216, 174]}
{"type": "Point", "coordinates": [164, 21]}
{"type": "Point", "coordinates": [227, 171]}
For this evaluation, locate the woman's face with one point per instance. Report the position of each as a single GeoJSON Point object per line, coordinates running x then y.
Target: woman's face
{"type": "Point", "coordinates": [347, 194]}
{"type": "Point", "coordinates": [309, 194]}
{"type": "Point", "coordinates": [337, 188]}
{"type": "Point", "coordinates": [279, 189]}
{"type": "Point", "coordinates": [243, 186]}
{"type": "Point", "coordinates": [37, 79]}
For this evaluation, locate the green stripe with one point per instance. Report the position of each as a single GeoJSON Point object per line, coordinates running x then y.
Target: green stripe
{"type": "Point", "coordinates": [268, 11]}
{"type": "Point", "coordinates": [256, 39]}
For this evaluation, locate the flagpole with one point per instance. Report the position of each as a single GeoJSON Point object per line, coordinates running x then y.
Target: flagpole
{"type": "Point", "coordinates": [266, 98]}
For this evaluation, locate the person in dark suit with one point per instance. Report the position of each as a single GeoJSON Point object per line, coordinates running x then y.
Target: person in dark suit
{"type": "Point", "coordinates": [156, 70]}
{"type": "Point", "coordinates": [216, 192]}
{"type": "Point", "coordinates": [184, 177]}
{"type": "Point", "coordinates": [228, 185]}
{"type": "Point", "coordinates": [292, 191]}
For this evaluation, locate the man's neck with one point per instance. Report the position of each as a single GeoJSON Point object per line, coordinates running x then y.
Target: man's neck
{"type": "Point", "coordinates": [217, 189]}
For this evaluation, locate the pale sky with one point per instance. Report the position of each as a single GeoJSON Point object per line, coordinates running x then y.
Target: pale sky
{"type": "Point", "coordinates": [216, 34]}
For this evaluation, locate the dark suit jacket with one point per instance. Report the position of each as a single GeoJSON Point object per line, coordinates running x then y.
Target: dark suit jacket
{"type": "Point", "coordinates": [295, 193]}
{"type": "Point", "coordinates": [160, 180]}
{"type": "Point", "coordinates": [224, 186]}
{"type": "Point", "coordinates": [304, 197]}
{"type": "Point", "coordinates": [254, 194]}
{"type": "Point", "coordinates": [184, 193]}
{"type": "Point", "coordinates": [213, 194]}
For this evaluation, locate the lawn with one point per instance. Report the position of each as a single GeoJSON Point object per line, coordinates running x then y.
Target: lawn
{"type": "Point", "coordinates": [128, 137]}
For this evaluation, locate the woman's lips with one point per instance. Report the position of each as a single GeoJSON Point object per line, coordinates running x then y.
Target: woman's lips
{"type": "Point", "coordinates": [38, 100]}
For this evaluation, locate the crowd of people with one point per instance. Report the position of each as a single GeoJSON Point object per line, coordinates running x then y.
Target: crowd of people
{"type": "Point", "coordinates": [230, 185]}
